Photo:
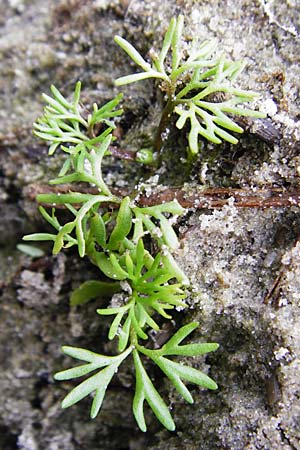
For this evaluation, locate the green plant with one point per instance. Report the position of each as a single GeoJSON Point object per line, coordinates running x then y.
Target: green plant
{"type": "Point", "coordinates": [192, 80]}
{"type": "Point", "coordinates": [110, 230]}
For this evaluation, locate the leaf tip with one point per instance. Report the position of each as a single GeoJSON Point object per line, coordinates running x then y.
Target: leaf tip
{"type": "Point", "coordinates": [65, 404]}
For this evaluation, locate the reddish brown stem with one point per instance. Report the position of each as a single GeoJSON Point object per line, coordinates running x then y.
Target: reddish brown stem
{"type": "Point", "coordinates": [198, 199]}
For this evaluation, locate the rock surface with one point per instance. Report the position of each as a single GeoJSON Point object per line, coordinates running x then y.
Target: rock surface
{"type": "Point", "coordinates": [232, 255]}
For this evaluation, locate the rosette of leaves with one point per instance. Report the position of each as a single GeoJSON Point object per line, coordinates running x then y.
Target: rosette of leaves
{"type": "Point", "coordinates": [193, 80]}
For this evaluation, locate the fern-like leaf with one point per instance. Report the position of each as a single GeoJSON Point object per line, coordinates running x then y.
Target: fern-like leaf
{"type": "Point", "coordinates": [146, 391]}
{"type": "Point", "coordinates": [97, 383]}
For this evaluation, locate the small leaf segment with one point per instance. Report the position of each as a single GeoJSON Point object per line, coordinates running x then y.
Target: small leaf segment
{"type": "Point", "coordinates": [111, 231]}
{"type": "Point", "coordinates": [193, 79]}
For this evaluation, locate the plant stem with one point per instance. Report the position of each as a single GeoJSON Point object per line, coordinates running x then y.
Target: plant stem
{"type": "Point", "coordinates": [163, 124]}
{"type": "Point", "coordinates": [208, 198]}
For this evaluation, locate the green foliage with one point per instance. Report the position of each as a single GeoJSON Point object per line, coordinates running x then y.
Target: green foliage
{"type": "Point", "coordinates": [118, 236]}
{"type": "Point", "coordinates": [97, 383]}
{"type": "Point", "coordinates": [113, 239]}
{"type": "Point", "coordinates": [204, 78]}
{"type": "Point", "coordinates": [92, 289]}
{"type": "Point", "coordinates": [30, 250]}
{"type": "Point", "coordinates": [63, 122]}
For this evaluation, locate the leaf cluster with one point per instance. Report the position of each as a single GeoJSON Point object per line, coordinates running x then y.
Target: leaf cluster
{"type": "Point", "coordinates": [113, 239]}
{"type": "Point", "coordinates": [144, 388]}
{"type": "Point", "coordinates": [205, 78]}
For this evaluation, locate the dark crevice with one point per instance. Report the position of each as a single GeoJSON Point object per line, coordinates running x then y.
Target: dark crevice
{"type": "Point", "coordinates": [8, 440]}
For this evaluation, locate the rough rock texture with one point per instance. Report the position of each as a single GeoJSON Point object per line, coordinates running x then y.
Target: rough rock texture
{"type": "Point", "coordinates": [232, 255]}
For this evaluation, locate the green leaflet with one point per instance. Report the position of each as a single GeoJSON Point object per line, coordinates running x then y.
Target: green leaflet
{"type": "Point", "coordinates": [97, 383]}
{"type": "Point", "coordinates": [106, 111]}
{"type": "Point", "coordinates": [123, 225]}
{"type": "Point", "coordinates": [172, 347]}
{"type": "Point", "coordinates": [116, 328]}
{"type": "Point", "coordinates": [149, 72]}
{"type": "Point", "coordinates": [145, 390]}
{"type": "Point", "coordinates": [61, 236]}
{"type": "Point", "coordinates": [98, 230]}
{"type": "Point", "coordinates": [30, 250]}
{"type": "Point", "coordinates": [164, 233]}
{"type": "Point", "coordinates": [124, 334]}
{"type": "Point", "coordinates": [177, 372]}
{"type": "Point", "coordinates": [110, 266]}
{"type": "Point", "coordinates": [92, 289]}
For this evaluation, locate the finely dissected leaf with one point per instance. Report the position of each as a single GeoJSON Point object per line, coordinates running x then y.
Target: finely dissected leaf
{"type": "Point", "coordinates": [146, 391]}
{"type": "Point", "coordinates": [97, 382]}
{"type": "Point", "coordinates": [187, 373]}
{"type": "Point", "coordinates": [62, 122]}
{"type": "Point", "coordinates": [196, 128]}
{"type": "Point", "coordinates": [92, 289]}
{"type": "Point", "coordinates": [172, 347]}
{"type": "Point", "coordinates": [106, 111]}
{"type": "Point", "coordinates": [206, 118]}
{"type": "Point", "coordinates": [207, 76]}
{"type": "Point", "coordinates": [175, 372]}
